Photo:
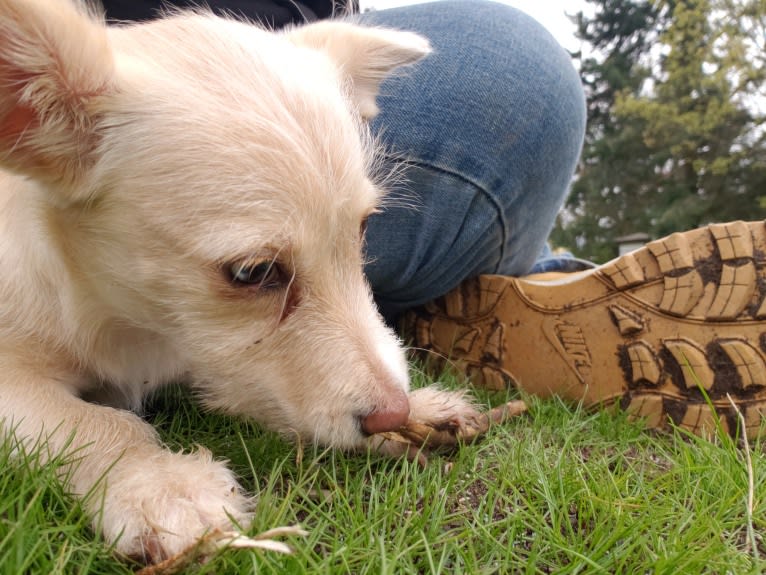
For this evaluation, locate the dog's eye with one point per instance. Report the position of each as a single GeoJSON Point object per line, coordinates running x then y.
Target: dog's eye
{"type": "Point", "coordinates": [263, 274]}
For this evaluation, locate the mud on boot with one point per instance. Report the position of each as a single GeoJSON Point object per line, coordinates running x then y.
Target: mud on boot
{"type": "Point", "coordinates": [664, 332]}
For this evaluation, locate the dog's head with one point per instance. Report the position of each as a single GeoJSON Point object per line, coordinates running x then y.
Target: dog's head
{"type": "Point", "coordinates": [209, 182]}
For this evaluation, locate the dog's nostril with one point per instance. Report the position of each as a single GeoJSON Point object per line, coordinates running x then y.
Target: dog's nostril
{"type": "Point", "coordinates": [388, 417]}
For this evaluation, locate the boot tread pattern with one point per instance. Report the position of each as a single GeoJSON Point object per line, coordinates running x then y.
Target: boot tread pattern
{"type": "Point", "coordinates": [688, 314]}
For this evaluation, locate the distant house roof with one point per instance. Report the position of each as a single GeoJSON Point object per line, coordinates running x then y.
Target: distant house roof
{"type": "Point", "coordinates": [637, 237]}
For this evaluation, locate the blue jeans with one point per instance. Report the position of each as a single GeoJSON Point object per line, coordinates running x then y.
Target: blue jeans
{"type": "Point", "coordinates": [491, 127]}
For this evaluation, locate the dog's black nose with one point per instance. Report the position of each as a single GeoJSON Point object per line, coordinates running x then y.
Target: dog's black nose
{"type": "Point", "coordinates": [390, 416]}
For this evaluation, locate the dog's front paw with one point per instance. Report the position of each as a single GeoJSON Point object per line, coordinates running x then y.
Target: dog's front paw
{"type": "Point", "coordinates": [441, 418]}
{"type": "Point", "coordinates": [441, 408]}
{"type": "Point", "coordinates": [438, 418]}
{"type": "Point", "coordinates": [155, 508]}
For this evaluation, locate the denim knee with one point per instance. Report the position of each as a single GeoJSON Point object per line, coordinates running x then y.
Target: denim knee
{"type": "Point", "coordinates": [418, 249]}
{"type": "Point", "coordinates": [491, 126]}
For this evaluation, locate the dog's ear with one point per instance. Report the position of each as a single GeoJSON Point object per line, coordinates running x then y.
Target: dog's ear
{"type": "Point", "coordinates": [55, 64]}
{"type": "Point", "coordinates": [365, 55]}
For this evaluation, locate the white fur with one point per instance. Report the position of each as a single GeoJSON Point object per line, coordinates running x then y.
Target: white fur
{"type": "Point", "coordinates": [140, 164]}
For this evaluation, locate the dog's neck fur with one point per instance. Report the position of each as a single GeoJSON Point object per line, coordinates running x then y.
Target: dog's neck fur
{"type": "Point", "coordinates": [65, 313]}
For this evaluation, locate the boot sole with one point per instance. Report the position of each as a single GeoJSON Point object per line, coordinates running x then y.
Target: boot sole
{"type": "Point", "coordinates": [669, 332]}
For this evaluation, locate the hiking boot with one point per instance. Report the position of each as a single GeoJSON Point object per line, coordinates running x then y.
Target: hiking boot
{"type": "Point", "coordinates": [668, 332]}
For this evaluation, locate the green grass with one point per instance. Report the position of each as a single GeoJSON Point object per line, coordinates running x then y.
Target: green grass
{"type": "Point", "coordinates": [560, 491]}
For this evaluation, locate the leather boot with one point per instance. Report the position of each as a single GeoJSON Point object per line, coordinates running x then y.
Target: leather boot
{"type": "Point", "coordinates": [668, 332]}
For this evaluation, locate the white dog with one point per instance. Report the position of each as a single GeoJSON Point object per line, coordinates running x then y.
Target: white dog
{"type": "Point", "coordinates": [182, 201]}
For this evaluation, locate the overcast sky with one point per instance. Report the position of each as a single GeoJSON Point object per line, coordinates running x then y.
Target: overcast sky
{"type": "Point", "coordinates": [551, 13]}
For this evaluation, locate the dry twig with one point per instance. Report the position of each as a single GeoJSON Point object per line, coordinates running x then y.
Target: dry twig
{"type": "Point", "coordinates": [752, 543]}
{"type": "Point", "coordinates": [215, 541]}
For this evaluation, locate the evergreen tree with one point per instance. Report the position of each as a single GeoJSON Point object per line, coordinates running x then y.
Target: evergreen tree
{"type": "Point", "coordinates": [675, 139]}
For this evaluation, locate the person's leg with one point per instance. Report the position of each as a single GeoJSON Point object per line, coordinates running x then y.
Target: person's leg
{"type": "Point", "coordinates": [490, 127]}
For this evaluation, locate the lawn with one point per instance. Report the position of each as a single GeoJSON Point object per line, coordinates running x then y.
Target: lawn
{"type": "Point", "coordinates": [558, 491]}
